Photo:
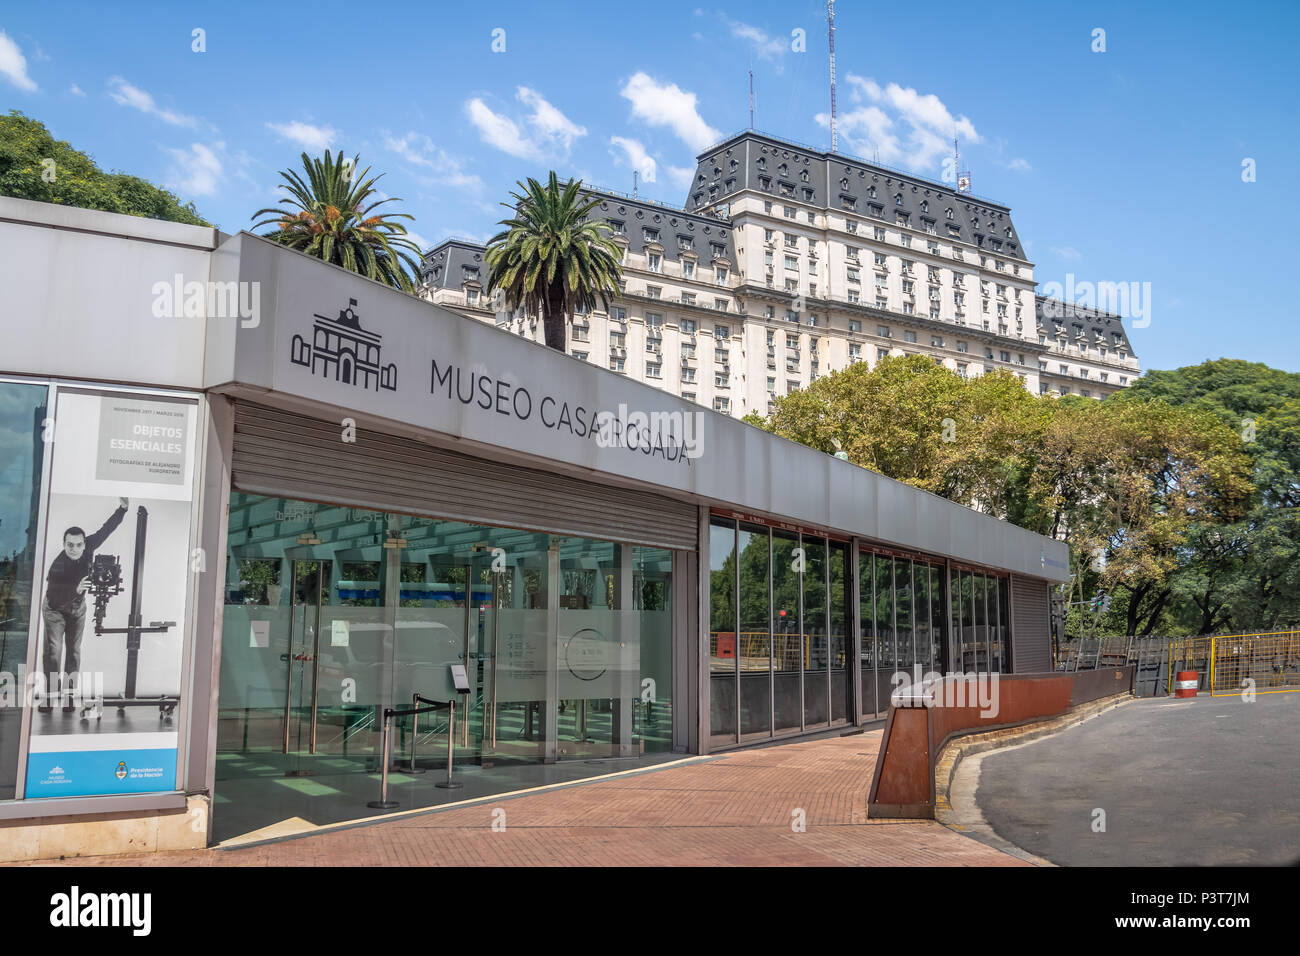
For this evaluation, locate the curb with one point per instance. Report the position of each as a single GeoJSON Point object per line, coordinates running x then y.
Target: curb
{"type": "Point", "coordinates": [954, 793]}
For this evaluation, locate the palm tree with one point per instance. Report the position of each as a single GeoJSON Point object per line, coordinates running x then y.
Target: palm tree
{"type": "Point", "coordinates": [550, 259]}
{"type": "Point", "coordinates": [332, 216]}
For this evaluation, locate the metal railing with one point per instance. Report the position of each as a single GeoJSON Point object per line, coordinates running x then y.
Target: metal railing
{"type": "Point", "coordinates": [1265, 663]}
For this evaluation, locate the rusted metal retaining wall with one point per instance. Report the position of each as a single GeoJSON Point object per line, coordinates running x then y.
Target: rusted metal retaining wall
{"type": "Point", "coordinates": [921, 721]}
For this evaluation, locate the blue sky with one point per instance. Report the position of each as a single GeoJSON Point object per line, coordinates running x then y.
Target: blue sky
{"type": "Point", "coordinates": [1119, 166]}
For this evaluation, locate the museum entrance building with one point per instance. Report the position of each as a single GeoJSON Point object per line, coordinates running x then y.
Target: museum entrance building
{"type": "Point", "coordinates": [356, 500]}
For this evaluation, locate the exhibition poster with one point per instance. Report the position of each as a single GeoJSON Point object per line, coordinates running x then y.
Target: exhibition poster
{"type": "Point", "coordinates": [114, 587]}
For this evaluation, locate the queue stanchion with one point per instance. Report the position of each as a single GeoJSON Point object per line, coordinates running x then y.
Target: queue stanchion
{"type": "Point", "coordinates": [450, 784]}
{"type": "Point", "coordinates": [415, 736]}
{"type": "Point", "coordinates": [383, 803]}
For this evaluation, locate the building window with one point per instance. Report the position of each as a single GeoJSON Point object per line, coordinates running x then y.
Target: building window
{"type": "Point", "coordinates": [851, 225]}
{"type": "Point", "coordinates": [654, 370]}
{"type": "Point", "coordinates": [961, 369]}
{"type": "Point", "coordinates": [881, 303]}
{"type": "Point", "coordinates": [855, 325]}
{"type": "Point", "coordinates": [615, 364]}
{"type": "Point", "coordinates": [722, 405]}
{"type": "Point", "coordinates": [655, 261]}
{"type": "Point", "coordinates": [883, 330]}
{"type": "Point", "coordinates": [881, 353]}
{"type": "Point", "coordinates": [581, 356]}
{"type": "Point", "coordinates": [653, 291]}
{"type": "Point", "coordinates": [961, 346]}
{"type": "Point", "coordinates": [721, 380]}
{"type": "Point", "coordinates": [580, 333]}
{"type": "Point", "coordinates": [853, 295]}
{"type": "Point", "coordinates": [909, 336]}
{"type": "Point", "coordinates": [792, 263]}
{"type": "Point", "coordinates": [936, 342]}
{"type": "Point", "coordinates": [879, 234]}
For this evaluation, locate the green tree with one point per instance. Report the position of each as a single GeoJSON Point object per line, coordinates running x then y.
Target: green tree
{"type": "Point", "coordinates": [331, 215]}
{"type": "Point", "coordinates": [1139, 489]}
{"type": "Point", "coordinates": [34, 165]}
{"type": "Point", "coordinates": [1242, 575]}
{"type": "Point", "coordinates": [549, 259]}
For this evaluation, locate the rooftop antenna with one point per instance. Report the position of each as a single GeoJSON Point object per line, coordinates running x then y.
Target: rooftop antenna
{"type": "Point", "coordinates": [830, 6]}
{"type": "Point", "coordinates": [636, 176]}
{"type": "Point", "coordinates": [963, 176]}
{"type": "Point", "coordinates": [751, 97]}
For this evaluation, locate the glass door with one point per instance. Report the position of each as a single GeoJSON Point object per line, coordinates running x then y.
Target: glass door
{"type": "Point", "coordinates": [302, 661]}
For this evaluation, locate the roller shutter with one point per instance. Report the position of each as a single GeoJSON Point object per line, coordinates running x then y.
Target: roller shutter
{"type": "Point", "coordinates": [282, 453]}
{"type": "Point", "coordinates": [1031, 642]}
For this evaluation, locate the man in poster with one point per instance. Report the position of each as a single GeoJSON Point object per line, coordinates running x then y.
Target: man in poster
{"type": "Point", "coordinates": [64, 609]}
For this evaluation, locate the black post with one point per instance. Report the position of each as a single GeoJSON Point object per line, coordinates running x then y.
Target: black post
{"type": "Point", "coordinates": [134, 621]}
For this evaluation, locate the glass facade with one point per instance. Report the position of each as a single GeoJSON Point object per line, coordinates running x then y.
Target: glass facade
{"type": "Point", "coordinates": [333, 613]}
{"type": "Point", "coordinates": [22, 413]}
{"type": "Point", "coordinates": [980, 613]}
{"type": "Point", "coordinates": [778, 634]}
{"type": "Point", "coordinates": [902, 623]}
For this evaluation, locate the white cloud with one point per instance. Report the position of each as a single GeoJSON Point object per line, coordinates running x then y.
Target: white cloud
{"type": "Point", "coordinates": [124, 94]}
{"type": "Point", "coordinates": [1068, 253]}
{"type": "Point", "coordinates": [313, 138]}
{"type": "Point", "coordinates": [13, 65]}
{"type": "Point", "coordinates": [905, 127]}
{"type": "Point", "coordinates": [544, 132]}
{"type": "Point", "coordinates": [1019, 165]}
{"type": "Point", "coordinates": [666, 104]}
{"type": "Point", "coordinates": [499, 131]}
{"type": "Point", "coordinates": [634, 155]}
{"type": "Point", "coordinates": [548, 121]}
{"type": "Point", "coordinates": [680, 176]}
{"type": "Point", "coordinates": [421, 151]}
{"type": "Point", "coordinates": [764, 45]}
{"type": "Point", "coordinates": [75, 90]}
{"type": "Point", "coordinates": [195, 171]}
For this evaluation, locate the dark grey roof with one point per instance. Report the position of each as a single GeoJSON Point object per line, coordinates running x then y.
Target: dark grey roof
{"type": "Point", "coordinates": [1091, 325]}
{"type": "Point", "coordinates": [639, 220]}
{"type": "Point", "coordinates": [766, 164]}
{"type": "Point", "coordinates": [452, 263]}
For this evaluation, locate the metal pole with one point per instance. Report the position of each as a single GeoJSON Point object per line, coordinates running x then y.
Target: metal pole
{"type": "Point", "coordinates": [448, 784]}
{"type": "Point", "coordinates": [383, 803]}
{"type": "Point", "coordinates": [415, 734]}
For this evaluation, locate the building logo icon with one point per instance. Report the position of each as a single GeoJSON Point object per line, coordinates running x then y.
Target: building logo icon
{"type": "Point", "coordinates": [345, 352]}
{"type": "Point", "coordinates": [120, 772]}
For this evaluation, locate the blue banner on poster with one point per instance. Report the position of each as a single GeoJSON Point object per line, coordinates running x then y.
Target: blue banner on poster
{"type": "Point", "coordinates": [85, 773]}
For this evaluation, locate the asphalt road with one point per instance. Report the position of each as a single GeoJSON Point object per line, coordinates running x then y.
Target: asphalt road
{"type": "Point", "coordinates": [1203, 782]}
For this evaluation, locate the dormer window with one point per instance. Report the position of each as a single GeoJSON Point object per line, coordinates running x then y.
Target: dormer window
{"type": "Point", "coordinates": [871, 191]}
{"type": "Point", "coordinates": [948, 213]}
{"type": "Point", "coordinates": [762, 163]}
{"type": "Point", "coordinates": [650, 235]}
{"type": "Point", "coordinates": [898, 199]}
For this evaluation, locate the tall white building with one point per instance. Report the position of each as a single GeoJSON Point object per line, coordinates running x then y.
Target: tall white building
{"type": "Point", "coordinates": [786, 263]}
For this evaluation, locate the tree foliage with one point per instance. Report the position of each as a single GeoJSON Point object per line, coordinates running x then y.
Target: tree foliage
{"type": "Point", "coordinates": [331, 215]}
{"type": "Point", "coordinates": [550, 260]}
{"type": "Point", "coordinates": [34, 165]}
{"type": "Point", "coordinates": [1164, 502]}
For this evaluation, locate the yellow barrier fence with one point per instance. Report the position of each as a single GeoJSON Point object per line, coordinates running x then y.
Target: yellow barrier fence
{"type": "Point", "coordinates": [1271, 661]}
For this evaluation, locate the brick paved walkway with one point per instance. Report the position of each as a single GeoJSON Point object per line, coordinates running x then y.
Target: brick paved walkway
{"type": "Point", "coordinates": [732, 810]}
